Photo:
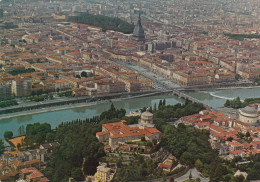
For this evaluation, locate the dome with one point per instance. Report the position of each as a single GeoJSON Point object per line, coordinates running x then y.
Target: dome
{"type": "Point", "coordinates": [147, 114]}
{"type": "Point", "coordinates": [248, 115]}
{"type": "Point", "coordinates": [146, 119]}
{"type": "Point", "coordinates": [249, 110]}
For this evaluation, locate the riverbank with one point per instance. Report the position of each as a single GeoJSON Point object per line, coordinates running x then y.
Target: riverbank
{"type": "Point", "coordinates": [55, 116]}
{"type": "Point", "coordinates": [44, 110]}
{"type": "Point", "coordinates": [76, 105]}
{"type": "Point", "coordinates": [74, 100]}
{"type": "Point", "coordinates": [249, 87]}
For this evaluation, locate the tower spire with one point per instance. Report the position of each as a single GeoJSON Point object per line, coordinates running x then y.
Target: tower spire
{"type": "Point", "coordinates": [138, 33]}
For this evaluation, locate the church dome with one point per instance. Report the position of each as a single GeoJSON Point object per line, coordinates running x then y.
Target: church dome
{"type": "Point", "coordinates": [147, 114]}
{"type": "Point", "coordinates": [249, 115]}
{"type": "Point", "coordinates": [249, 110]}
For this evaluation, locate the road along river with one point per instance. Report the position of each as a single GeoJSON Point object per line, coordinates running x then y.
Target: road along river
{"type": "Point", "coordinates": [67, 113]}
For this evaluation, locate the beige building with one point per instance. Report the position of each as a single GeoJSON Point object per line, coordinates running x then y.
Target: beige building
{"type": "Point", "coordinates": [103, 173]}
{"type": "Point", "coordinates": [61, 84]}
{"type": "Point", "coordinates": [119, 133]}
{"type": "Point", "coordinates": [5, 90]}
{"type": "Point", "coordinates": [21, 87]}
{"type": "Point", "coordinates": [249, 115]}
{"type": "Point", "coordinates": [146, 120]}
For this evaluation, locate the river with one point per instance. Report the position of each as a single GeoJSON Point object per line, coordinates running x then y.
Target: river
{"type": "Point", "coordinates": [56, 117]}
{"type": "Point", "coordinates": [218, 98]}
{"type": "Point", "coordinates": [214, 98]}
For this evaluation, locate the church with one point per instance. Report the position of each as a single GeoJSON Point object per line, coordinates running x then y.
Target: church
{"type": "Point", "coordinates": [250, 114]}
{"type": "Point", "coordinates": [119, 132]}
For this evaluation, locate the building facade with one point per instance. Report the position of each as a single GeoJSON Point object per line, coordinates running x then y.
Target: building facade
{"type": "Point", "coordinates": [21, 87]}
{"type": "Point", "coordinates": [249, 115]}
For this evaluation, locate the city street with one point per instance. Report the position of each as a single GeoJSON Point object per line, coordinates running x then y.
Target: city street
{"type": "Point", "coordinates": [159, 82]}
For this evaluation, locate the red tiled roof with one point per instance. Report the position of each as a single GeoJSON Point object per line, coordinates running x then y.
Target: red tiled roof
{"type": "Point", "coordinates": [17, 163]}
{"type": "Point", "coordinates": [203, 124]}
{"type": "Point", "coordinates": [236, 152]}
{"type": "Point", "coordinates": [34, 173]}
{"type": "Point", "coordinates": [237, 144]}
{"type": "Point", "coordinates": [44, 179]}
{"type": "Point", "coordinates": [167, 166]}
{"type": "Point", "coordinates": [102, 133]}
{"type": "Point", "coordinates": [119, 130]}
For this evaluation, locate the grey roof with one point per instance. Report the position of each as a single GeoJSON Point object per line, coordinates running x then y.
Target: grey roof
{"type": "Point", "coordinates": [249, 110]}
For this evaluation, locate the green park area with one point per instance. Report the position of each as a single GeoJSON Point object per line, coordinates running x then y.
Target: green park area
{"type": "Point", "coordinates": [105, 22]}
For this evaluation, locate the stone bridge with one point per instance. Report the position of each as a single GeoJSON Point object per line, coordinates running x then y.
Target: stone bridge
{"type": "Point", "coordinates": [192, 99]}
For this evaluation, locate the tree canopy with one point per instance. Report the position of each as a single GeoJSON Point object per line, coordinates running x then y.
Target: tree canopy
{"type": "Point", "coordinates": [78, 153]}
{"type": "Point", "coordinates": [237, 103]}
{"type": "Point", "coordinates": [112, 113]}
{"type": "Point", "coordinates": [242, 36]}
{"type": "Point", "coordinates": [105, 22]}
{"type": "Point", "coordinates": [2, 147]}
{"type": "Point", "coordinates": [36, 133]}
{"type": "Point", "coordinates": [8, 134]}
{"type": "Point", "coordinates": [17, 72]}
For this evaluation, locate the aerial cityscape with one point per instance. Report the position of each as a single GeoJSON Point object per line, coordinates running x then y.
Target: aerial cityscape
{"type": "Point", "coordinates": [128, 90]}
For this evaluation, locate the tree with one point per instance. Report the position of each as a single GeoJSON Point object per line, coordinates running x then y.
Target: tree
{"type": "Point", "coordinates": [36, 133]}
{"type": "Point", "coordinates": [164, 102]}
{"type": "Point", "coordinates": [154, 107]}
{"type": "Point", "coordinates": [105, 22]}
{"type": "Point", "coordinates": [8, 134]}
{"type": "Point", "coordinates": [237, 103]}
{"type": "Point", "coordinates": [198, 165]}
{"type": "Point", "coordinates": [73, 157]}
{"type": "Point", "coordinates": [2, 147]}
{"type": "Point", "coordinates": [112, 107]}
{"type": "Point", "coordinates": [187, 158]}
{"type": "Point", "coordinates": [229, 139]}
{"type": "Point", "coordinates": [160, 104]}
{"type": "Point", "coordinates": [240, 135]}
{"type": "Point", "coordinates": [254, 172]}
{"type": "Point", "coordinates": [238, 77]}
{"type": "Point", "coordinates": [247, 134]}
{"type": "Point", "coordinates": [84, 74]}
{"type": "Point", "coordinates": [50, 137]}
{"type": "Point", "coordinates": [227, 103]}
{"type": "Point", "coordinates": [76, 173]}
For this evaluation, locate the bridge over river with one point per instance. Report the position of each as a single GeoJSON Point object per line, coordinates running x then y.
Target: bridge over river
{"type": "Point", "coordinates": [227, 111]}
{"type": "Point", "coordinates": [185, 96]}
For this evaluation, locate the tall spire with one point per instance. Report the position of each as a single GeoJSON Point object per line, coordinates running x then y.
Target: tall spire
{"type": "Point", "coordinates": [139, 20]}
{"type": "Point", "coordinates": [138, 33]}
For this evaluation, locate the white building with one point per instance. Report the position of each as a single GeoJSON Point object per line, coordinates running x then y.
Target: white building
{"type": "Point", "coordinates": [249, 115]}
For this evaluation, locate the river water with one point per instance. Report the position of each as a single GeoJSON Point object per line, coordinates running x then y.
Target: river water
{"type": "Point", "coordinates": [56, 117]}
{"type": "Point", "coordinates": [218, 98]}
{"type": "Point", "coordinates": [213, 98]}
